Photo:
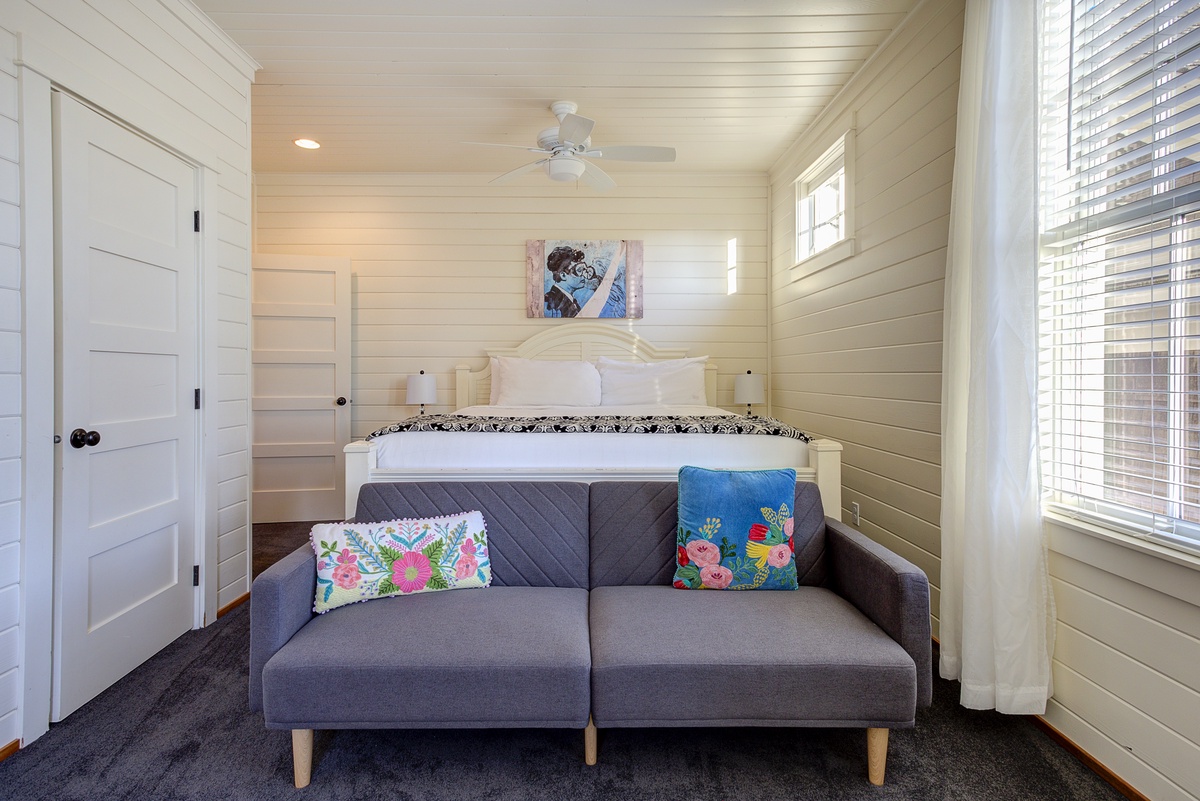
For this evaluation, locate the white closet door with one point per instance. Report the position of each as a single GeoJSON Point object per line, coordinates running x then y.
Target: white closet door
{"type": "Point", "coordinates": [127, 339]}
{"type": "Point", "coordinates": [301, 392]}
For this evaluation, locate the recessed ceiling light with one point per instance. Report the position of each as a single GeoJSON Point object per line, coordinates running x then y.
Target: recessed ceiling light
{"type": "Point", "coordinates": [308, 144]}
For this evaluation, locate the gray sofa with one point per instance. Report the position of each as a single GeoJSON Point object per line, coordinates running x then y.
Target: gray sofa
{"type": "Point", "coordinates": [582, 629]}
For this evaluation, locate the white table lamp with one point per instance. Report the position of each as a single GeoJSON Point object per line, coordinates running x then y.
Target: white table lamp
{"type": "Point", "coordinates": [748, 389]}
{"type": "Point", "coordinates": [422, 389]}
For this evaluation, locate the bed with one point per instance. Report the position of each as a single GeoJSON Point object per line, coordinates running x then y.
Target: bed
{"type": "Point", "coordinates": [483, 441]}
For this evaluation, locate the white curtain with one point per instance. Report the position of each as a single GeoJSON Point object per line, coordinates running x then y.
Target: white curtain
{"type": "Point", "coordinates": [996, 610]}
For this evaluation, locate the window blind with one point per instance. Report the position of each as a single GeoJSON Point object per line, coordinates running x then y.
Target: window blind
{"type": "Point", "coordinates": [1119, 279]}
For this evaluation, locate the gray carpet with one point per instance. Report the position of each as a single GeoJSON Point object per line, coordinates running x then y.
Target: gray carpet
{"type": "Point", "coordinates": [178, 728]}
{"type": "Point", "coordinates": [273, 541]}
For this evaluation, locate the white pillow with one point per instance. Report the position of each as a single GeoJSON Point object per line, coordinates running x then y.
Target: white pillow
{"type": "Point", "coordinates": [527, 382]}
{"type": "Point", "coordinates": [494, 394]}
{"type": "Point", "coordinates": [678, 381]}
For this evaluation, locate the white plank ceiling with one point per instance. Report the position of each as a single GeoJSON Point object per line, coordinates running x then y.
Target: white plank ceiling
{"type": "Point", "coordinates": [400, 85]}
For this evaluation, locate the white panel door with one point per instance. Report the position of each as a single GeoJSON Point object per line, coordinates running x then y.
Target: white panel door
{"type": "Point", "coordinates": [300, 307]}
{"type": "Point", "coordinates": [127, 343]}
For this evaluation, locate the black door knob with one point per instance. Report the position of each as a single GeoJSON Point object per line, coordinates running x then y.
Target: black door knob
{"type": "Point", "coordinates": [80, 437]}
{"type": "Point", "coordinates": [341, 401]}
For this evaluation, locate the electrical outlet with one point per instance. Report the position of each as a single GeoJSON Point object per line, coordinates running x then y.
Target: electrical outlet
{"type": "Point", "coordinates": [854, 513]}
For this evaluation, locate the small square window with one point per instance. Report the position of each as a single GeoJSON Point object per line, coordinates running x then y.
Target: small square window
{"type": "Point", "coordinates": [824, 208]}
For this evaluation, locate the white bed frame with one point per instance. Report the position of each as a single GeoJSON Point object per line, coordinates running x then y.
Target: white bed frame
{"type": "Point", "coordinates": [584, 341]}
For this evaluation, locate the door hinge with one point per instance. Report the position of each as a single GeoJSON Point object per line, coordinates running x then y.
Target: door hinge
{"type": "Point", "coordinates": [196, 221]}
{"type": "Point", "coordinates": [195, 575]}
{"type": "Point", "coordinates": [197, 398]}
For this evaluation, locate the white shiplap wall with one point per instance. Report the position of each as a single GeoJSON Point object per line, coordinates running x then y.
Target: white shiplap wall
{"type": "Point", "coordinates": [10, 396]}
{"type": "Point", "coordinates": [856, 347]}
{"type": "Point", "coordinates": [164, 68]}
{"type": "Point", "coordinates": [1127, 659]}
{"type": "Point", "coordinates": [439, 265]}
{"type": "Point", "coordinates": [857, 357]}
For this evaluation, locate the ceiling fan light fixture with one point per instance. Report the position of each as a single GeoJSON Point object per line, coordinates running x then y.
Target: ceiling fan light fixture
{"type": "Point", "coordinates": [565, 168]}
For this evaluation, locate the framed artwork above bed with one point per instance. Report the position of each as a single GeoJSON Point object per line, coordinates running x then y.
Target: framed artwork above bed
{"type": "Point", "coordinates": [584, 278]}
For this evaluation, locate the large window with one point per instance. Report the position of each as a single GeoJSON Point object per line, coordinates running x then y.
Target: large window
{"type": "Point", "coordinates": [1119, 283]}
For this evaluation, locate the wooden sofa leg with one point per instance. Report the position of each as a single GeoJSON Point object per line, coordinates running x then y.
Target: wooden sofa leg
{"type": "Point", "coordinates": [876, 755]}
{"type": "Point", "coordinates": [302, 751]}
{"type": "Point", "coordinates": [589, 743]}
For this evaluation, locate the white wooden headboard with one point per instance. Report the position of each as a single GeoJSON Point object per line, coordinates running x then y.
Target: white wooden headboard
{"type": "Point", "coordinates": [576, 341]}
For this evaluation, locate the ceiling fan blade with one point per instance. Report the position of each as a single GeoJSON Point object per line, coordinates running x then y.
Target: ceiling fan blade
{"type": "Point", "coordinates": [575, 129]}
{"type": "Point", "coordinates": [633, 153]}
{"type": "Point", "coordinates": [524, 168]}
{"type": "Point", "coordinates": [497, 144]}
{"type": "Point", "coordinates": [597, 178]}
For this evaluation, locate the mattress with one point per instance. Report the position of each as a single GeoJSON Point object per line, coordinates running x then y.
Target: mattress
{"type": "Point", "coordinates": [436, 450]}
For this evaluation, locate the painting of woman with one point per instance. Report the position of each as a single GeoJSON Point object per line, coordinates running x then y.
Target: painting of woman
{"type": "Point", "coordinates": [580, 278]}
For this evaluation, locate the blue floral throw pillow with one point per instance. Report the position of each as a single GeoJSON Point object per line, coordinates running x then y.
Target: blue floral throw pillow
{"type": "Point", "coordinates": [361, 561]}
{"type": "Point", "coordinates": [735, 530]}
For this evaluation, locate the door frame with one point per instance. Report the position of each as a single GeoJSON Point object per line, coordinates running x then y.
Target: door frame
{"type": "Point", "coordinates": [41, 70]}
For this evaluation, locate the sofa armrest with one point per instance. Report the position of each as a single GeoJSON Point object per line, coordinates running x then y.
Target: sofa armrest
{"type": "Point", "coordinates": [888, 589]}
{"type": "Point", "coordinates": [281, 603]}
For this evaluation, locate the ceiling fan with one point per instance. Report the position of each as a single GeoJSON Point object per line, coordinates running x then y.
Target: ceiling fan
{"type": "Point", "coordinates": [567, 146]}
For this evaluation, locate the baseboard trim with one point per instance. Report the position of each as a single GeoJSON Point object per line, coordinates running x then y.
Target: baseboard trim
{"type": "Point", "coordinates": [234, 604]}
{"type": "Point", "coordinates": [1074, 749]}
{"type": "Point", "coordinates": [10, 749]}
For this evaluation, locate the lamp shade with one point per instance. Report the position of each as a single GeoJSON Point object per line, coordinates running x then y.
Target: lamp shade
{"type": "Point", "coordinates": [421, 389]}
{"type": "Point", "coordinates": [748, 388]}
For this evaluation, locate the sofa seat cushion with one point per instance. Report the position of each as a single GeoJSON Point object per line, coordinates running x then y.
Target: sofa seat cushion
{"type": "Point", "coordinates": [501, 656]}
{"type": "Point", "coordinates": [665, 657]}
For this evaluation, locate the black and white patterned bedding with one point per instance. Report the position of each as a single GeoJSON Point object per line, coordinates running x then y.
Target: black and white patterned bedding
{"type": "Point", "coordinates": [645, 424]}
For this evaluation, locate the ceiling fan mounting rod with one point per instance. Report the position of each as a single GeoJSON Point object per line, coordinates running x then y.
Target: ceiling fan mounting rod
{"type": "Point", "coordinates": [562, 108]}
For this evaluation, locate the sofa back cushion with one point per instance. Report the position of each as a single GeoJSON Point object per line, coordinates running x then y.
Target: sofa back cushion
{"type": "Point", "coordinates": [633, 533]}
{"type": "Point", "coordinates": [537, 531]}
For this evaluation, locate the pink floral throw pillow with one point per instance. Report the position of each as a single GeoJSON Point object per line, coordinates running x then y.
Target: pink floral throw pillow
{"type": "Point", "coordinates": [735, 530]}
{"type": "Point", "coordinates": [361, 561]}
